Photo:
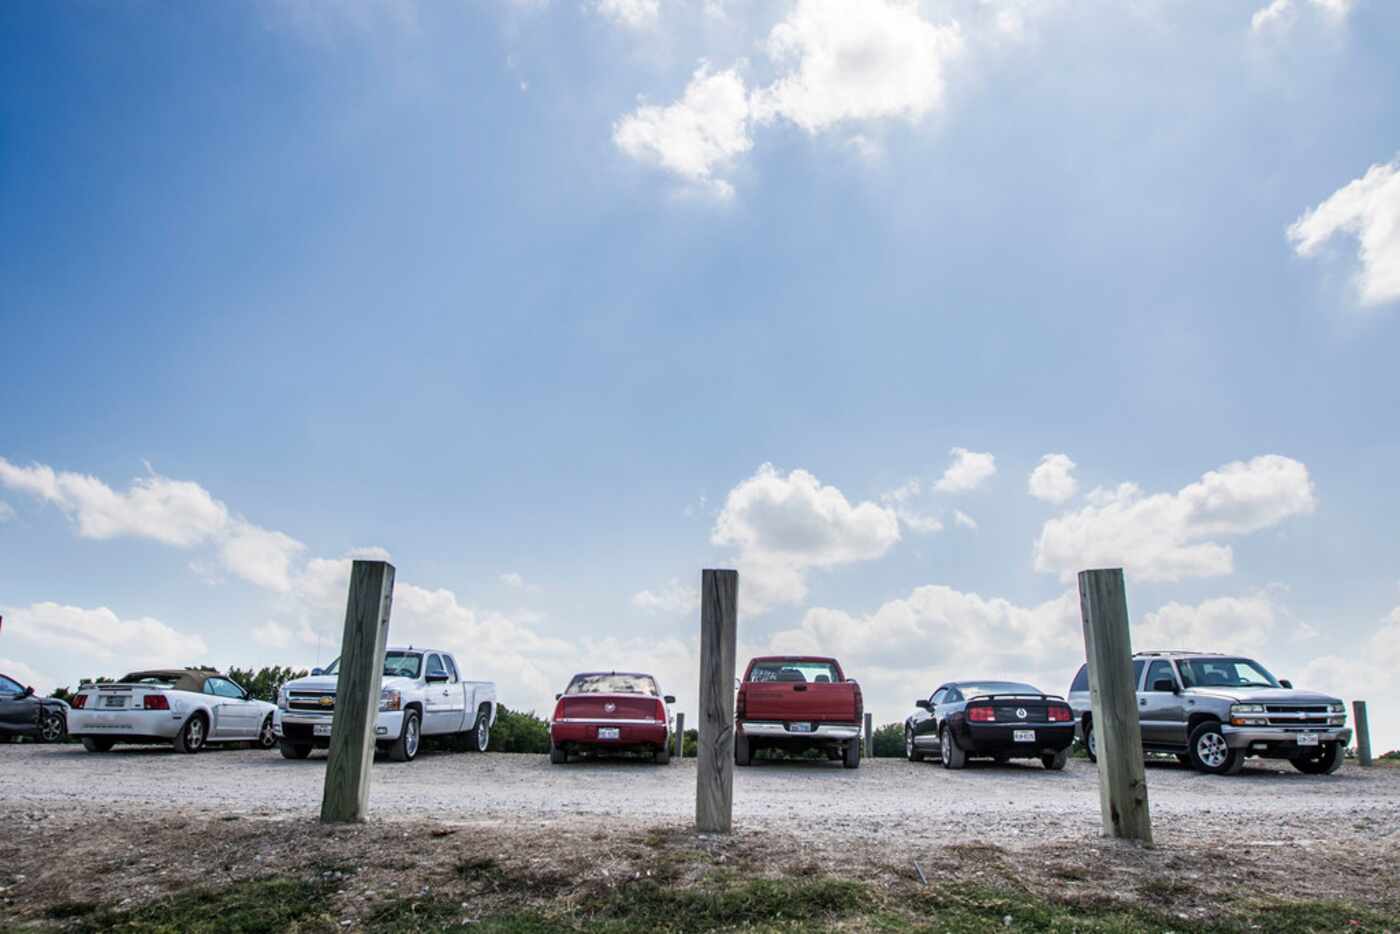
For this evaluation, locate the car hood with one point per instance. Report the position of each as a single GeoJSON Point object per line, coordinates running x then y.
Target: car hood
{"type": "Point", "coordinates": [1264, 695]}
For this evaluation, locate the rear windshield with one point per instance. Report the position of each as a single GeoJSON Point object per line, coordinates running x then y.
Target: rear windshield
{"type": "Point", "coordinates": [1224, 673]}
{"type": "Point", "coordinates": [613, 684]}
{"type": "Point", "coordinates": [996, 687]}
{"type": "Point", "coordinates": [396, 665]}
{"type": "Point", "coordinates": [148, 679]}
{"type": "Point", "coordinates": [796, 672]}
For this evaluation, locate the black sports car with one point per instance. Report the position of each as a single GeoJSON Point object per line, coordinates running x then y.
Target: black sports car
{"type": "Point", "coordinates": [997, 719]}
{"type": "Point", "coordinates": [23, 713]}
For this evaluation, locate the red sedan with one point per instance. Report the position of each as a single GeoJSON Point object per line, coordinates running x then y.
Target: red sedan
{"type": "Point", "coordinates": [611, 711]}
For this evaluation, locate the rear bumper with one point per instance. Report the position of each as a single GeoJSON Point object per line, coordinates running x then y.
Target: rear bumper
{"type": "Point", "coordinates": [630, 733]}
{"type": "Point", "coordinates": [1000, 738]}
{"type": "Point", "coordinates": [130, 725]}
{"type": "Point", "coordinates": [1280, 739]}
{"type": "Point", "coordinates": [820, 732]}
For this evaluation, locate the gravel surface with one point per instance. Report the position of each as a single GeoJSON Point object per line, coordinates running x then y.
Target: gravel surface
{"type": "Point", "coordinates": [1267, 804]}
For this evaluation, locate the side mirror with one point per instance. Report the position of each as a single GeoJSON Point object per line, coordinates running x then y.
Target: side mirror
{"type": "Point", "coordinates": [1284, 682]}
{"type": "Point", "coordinates": [922, 703]}
{"type": "Point", "coordinates": [1165, 685]}
{"type": "Point", "coordinates": [436, 679]}
{"type": "Point", "coordinates": [317, 671]}
{"type": "Point", "coordinates": [669, 698]}
{"type": "Point", "coordinates": [28, 692]}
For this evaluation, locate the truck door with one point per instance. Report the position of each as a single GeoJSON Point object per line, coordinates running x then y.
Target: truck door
{"type": "Point", "coordinates": [442, 698]}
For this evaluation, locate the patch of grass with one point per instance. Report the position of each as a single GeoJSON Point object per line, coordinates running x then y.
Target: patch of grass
{"type": "Point", "coordinates": [651, 906]}
{"type": "Point", "coordinates": [65, 910]}
{"type": "Point", "coordinates": [248, 907]}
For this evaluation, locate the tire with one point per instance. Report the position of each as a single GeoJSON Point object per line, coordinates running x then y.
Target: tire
{"type": "Point", "coordinates": [1210, 753]}
{"type": "Point", "coordinates": [663, 755]}
{"type": "Point", "coordinates": [479, 736]}
{"type": "Point", "coordinates": [1055, 761]}
{"type": "Point", "coordinates": [405, 748]}
{"type": "Point", "coordinates": [53, 728]}
{"type": "Point", "coordinates": [266, 738]}
{"type": "Point", "coordinates": [1328, 759]}
{"type": "Point", "coordinates": [193, 735]}
{"type": "Point", "coordinates": [1091, 744]}
{"type": "Point", "coordinates": [741, 750]}
{"type": "Point", "coordinates": [294, 750]}
{"type": "Point", "coordinates": [910, 751]}
{"type": "Point", "coordinates": [98, 743]}
{"type": "Point", "coordinates": [851, 759]}
{"type": "Point", "coordinates": [557, 754]}
{"type": "Point", "coordinates": [953, 755]}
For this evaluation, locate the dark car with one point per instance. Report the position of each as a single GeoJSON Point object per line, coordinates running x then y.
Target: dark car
{"type": "Point", "coordinates": [1001, 720]}
{"type": "Point", "coordinates": [23, 713]}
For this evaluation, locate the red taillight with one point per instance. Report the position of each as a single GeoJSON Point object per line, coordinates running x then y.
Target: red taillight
{"type": "Point", "coordinates": [660, 712]}
{"type": "Point", "coordinates": [981, 714]}
{"type": "Point", "coordinates": [559, 710]}
{"type": "Point", "coordinates": [79, 701]}
{"type": "Point", "coordinates": [155, 702]}
{"type": "Point", "coordinates": [860, 701]}
{"type": "Point", "coordinates": [1058, 714]}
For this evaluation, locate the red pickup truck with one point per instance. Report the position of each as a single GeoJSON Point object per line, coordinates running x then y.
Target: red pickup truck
{"type": "Point", "coordinates": [795, 703]}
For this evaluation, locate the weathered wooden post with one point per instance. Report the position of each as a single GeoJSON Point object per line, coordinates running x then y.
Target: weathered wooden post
{"type": "Point", "coordinates": [680, 736]}
{"type": "Point", "coordinates": [714, 773]}
{"type": "Point", "coordinates": [1363, 732]}
{"type": "Point", "coordinates": [1103, 604]}
{"type": "Point", "coordinates": [869, 735]}
{"type": "Point", "coordinates": [346, 793]}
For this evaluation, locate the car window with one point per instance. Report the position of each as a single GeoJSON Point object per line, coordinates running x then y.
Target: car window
{"type": "Point", "coordinates": [1159, 671]}
{"type": "Point", "coordinates": [223, 688]}
{"type": "Point", "coordinates": [796, 672]}
{"type": "Point", "coordinates": [939, 696]}
{"type": "Point", "coordinates": [1138, 665]}
{"type": "Point", "coordinates": [10, 686]}
{"type": "Point", "coordinates": [1224, 673]}
{"type": "Point", "coordinates": [953, 696]}
{"type": "Point", "coordinates": [997, 687]}
{"type": "Point", "coordinates": [612, 683]}
{"type": "Point", "coordinates": [435, 668]}
{"type": "Point", "coordinates": [1081, 679]}
{"type": "Point", "coordinates": [451, 667]}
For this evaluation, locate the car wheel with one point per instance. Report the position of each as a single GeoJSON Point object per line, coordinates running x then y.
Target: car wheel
{"type": "Point", "coordinates": [1328, 759]}
{"type": "Point", "coordinates": [1210, 753]}
{"type": "Point", "coordinates": [910, 751]}
{"type": "Point", "coordinates": [53, 728]}
{"type": "Point", "coordinates": [479, 736]}
{"type": "Point", "coordinates": [851, 758]}
{"type": "Point", "coordinates": [405, 748]}
{"type": "Point", "coordinates": [953, 755]}
{"type": "Point", "coordinates": [1055, 761]}
{"type": "Point", "coordinates": [741, 750]}
{"type": "Point", "coordinates": [662, 755]}
{"type": "Point", "coordinates": [558, 755]}
{"type": "Point", "coordinates": [1091, 743]}
{"type": "Point", "coordinates": [266, 737]}
{"type": "Point", "coordinates": [294, 750]}
{"type": "Point", "coordinates": [97, 743]}
{"type": "Point", "coordinates": [192, 736]}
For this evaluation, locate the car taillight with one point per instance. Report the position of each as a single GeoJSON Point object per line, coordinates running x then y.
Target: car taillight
{"type": "Point", "coordinates": [981, 714]}
{"type": "Point", "coordinates": [860, 701]}
{"type": "Point", "coordinates": [155, 702]}
{"type": "Point", "coordinates": [559, 711]}
{"type": "Point", "coordinates": [1058, 715]}
{"type": "Point", "coordinates": [79, 701]}
{"type": "Point", "coordinates": [660, 712]}
{"type": "Point", "coordinates": [740, 707]}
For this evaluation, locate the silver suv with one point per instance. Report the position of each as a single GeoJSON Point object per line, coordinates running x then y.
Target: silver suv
{"type": "Point", "coordinates": [1213, 711]}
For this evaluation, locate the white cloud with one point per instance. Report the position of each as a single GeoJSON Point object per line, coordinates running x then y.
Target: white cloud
{"type": "Point", "coordinates": [1053, 480]}
{"type": "Point", "coordinates": [784, 525]}
{"type": "Point", "coordinates": [7, 512]}
{"type": "Point", "coordinates": [325, 582]}
{"type": "Point", "coordinates": [1368, 209]}
{"type": "Point", "coordinates": [1248, 625]}
{"type": "Point", "coordinates": [261, 556]}
{"type": "Point", "coordinates": [99, 635]}
{"type": "Point", "coordinates": [1281, 14]}
{"type": "Point", "coordinates": [1366, 673]}
{"type": "Point", "coordinates": [968, 471]}
{"type": "Point", "coordinates": [1165, 537]}
{"type": "Point", "coordinates": [634, 14]}
{"type": "Point", "coordinates": [963, 519]}
{"type": "Point", "coordinates": [28, 676]}
{"type": "Point", "coordinates": [272, 635]}
{"type": "Point", "coordinates": [675, 598]}
{"type": "Point", "coordinates": [512, 580]}
{"type": "Point", "coordinates": [900, 498]}
{"type": "Point", "coordinates": [695, 136]}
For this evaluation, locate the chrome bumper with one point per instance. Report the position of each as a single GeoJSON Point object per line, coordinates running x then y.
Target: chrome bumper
{"type": "Point", "coordinates": [1240, 737]}
{"type": "Point", "coordinates": [820, 731]}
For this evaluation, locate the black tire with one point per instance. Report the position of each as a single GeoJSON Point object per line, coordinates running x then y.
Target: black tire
{"type": "Point", "coordinates": [953, 755]}
{"type": "Point", "coordinates": [1210, 753]}
{"type": "Point", "coordinates": [911, 752]}
{"type": "Point", "coordinates": [1090, 743]}
{"type": "Point", "coordinates": [1325, 761]}
{"type": "Point", "coordinates": [557, 754]}
{"type": "Point", "coordinates": [851, 759]}
{"type": "Point", "coordinates": [741, 750]}
{"type": "Point", "coordinates": [405, 748]}
{"type": "Point", "coordinates": [294, 750]}
{"type": "Point", "coordinates": [98, 743]}
{"type": "Point", "coordinates": [53, 727]}
{"type": "Point", "coordinates": [193, 736]}
{"type": "Point", "coordinates": [662, 755]}
{"type": "Point", "coordinates": [266, 738]}
{"type": "Point", "coordinates": [479, 736]}
{"type": "Point", "coordinates": [1055, 761]}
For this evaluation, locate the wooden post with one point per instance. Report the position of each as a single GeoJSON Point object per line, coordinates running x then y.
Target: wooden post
{"type": "Point", "coordinates": [680, 736]}
{"type": "Point", "coordinates": [869, 735]}
{"type": "Point", "coordinates": [1363, 732]}
{"type": "Point", "coordinates": [346, 794]}
{"type": "Point", "coordinates": [1103, 604]}
{"type": "Point", "coordinates": [714, 773]}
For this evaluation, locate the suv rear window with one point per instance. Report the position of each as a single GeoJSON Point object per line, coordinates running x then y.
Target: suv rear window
{"type": "Point", "coordinates": [795, 672]}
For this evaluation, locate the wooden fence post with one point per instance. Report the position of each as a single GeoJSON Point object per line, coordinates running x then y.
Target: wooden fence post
{"type": "Point", "coordinates": [1363, 732]}
{"type": "Point", "coordinates": [1103, 604]}
{"type": "Point", "coordinates": [346, 794]}
{"type": "Point", "coordinates": [714, 773]}
{"type": "Point", "coordinates": [680, 736]}
{"type": "Point", "coordinates": [869, 735]}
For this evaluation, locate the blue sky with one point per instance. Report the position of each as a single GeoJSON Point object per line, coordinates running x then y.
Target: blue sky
{"type": "Point", "coordinates": [527, 294]}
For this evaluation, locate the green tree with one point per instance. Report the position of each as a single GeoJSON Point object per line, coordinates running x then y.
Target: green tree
{"type": "Point", "coordinates": [515, 731]}
{"type": "Point", "coordinates": [889, 741]}
{"type": "Point", "coordinates": [264, 683]}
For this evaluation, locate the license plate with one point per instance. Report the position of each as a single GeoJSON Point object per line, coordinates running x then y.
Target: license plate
{"type": "Point", "coordinates": [1307, 739]}
{"type": "Point", "coordinates": [1023, 736]}
{"type": "Point", "coordinates": [800, 727]}
{"type": "Point", "coordinates": [320, 729]}
{"type": "Point", "coordinates": [114, 701]}
{"type": "Point", "coordinates": [609, 732]}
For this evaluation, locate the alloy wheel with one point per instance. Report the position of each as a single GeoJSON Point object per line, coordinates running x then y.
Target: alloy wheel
{"type": "Point", "coordinates": [410, 740]}
{"type": "Point", "coordinates": [51, 730]}
{"type": "Point", "coordinates": [909, 743]}
{"type": "Point", "coordinates": [266, 738]}
{"type": "Point", "coordinates": [1212, 750]}
{"type": "Point", "coordinates": [195, 733]}
{"type": "Point", "coordinates": [945, 744]}
{"type": "Point", "coordinates": [483, 736]}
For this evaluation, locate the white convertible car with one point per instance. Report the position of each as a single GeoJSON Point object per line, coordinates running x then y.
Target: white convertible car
{"type": "Point", "coordinates": [186, 707]}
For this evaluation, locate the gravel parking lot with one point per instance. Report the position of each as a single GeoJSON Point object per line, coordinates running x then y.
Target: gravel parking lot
{"type": "Point", "coordinates": [1267, 804]}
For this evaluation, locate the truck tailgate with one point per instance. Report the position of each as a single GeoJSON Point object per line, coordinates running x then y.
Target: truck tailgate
{"type": "Point", "coordinates": [786, 701]}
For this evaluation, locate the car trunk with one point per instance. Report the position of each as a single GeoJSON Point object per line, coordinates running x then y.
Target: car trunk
{"type": "Point", "coordinates": [609, 707]}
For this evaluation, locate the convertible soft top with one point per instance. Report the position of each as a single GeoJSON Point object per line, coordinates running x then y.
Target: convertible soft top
{"type": "Point", "coordinates": [180, 679]}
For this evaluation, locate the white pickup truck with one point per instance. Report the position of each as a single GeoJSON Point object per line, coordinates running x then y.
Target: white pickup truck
{"type": "Point", "coordinates": [422, 694]}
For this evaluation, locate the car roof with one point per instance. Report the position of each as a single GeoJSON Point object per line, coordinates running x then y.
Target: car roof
{"type": "Point", "coordinates": [185, 679]}
{"type": "Point", "coordinates": [625, 674]}
{"type": "Point", "coordinates": [989, 683]}
{"type": "Point", "coordinates": [792, 658]}
{"type": "Point", "coordinates": [1179, 653]}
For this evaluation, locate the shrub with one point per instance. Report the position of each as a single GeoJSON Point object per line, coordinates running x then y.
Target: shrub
{"type": "Point", "coordinates": [519, 732]}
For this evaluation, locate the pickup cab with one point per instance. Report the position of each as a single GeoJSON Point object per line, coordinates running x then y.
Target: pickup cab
{"type": "Point", "coordinates": [422, 693]}
{"type": "Point", "coordinates": [795, 703]}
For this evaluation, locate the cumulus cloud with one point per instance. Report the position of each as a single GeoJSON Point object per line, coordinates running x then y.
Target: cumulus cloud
{"type": "Point", "coordinates": [963, 520]}
{"type": "Point", "coordinates": [901, 500]}
{"type": "Point", "coordinates": [1247, 624]}
{"type": "Point", "coordinates": [1280, 14]}
{"type": "Point", "coordinates": [1167, 536]}
{"type": "Point", "coordinates": [100, 635]}
{"type": "Point", "coordinates": [968, 471]}
{"type": "Point", "coordinates": [634, 14]}
{"type": "Point", "coordinates": [785, 525]}
{"type": "Point", "coordinates": [675, 598]}
{"type": "Point", "coordinates": [1053, 479]}
{"type": "Point", "coordinates": [1368, 209]}
{"type": "Point", "coordinates": [695, 136]}
{"type": "Point", "coordinates": [1367, 673]}
{"type": "Point", "coordinates": [512, 580]}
